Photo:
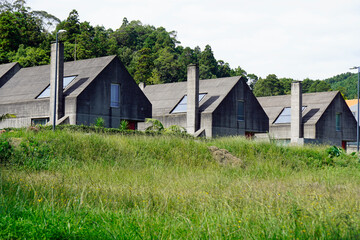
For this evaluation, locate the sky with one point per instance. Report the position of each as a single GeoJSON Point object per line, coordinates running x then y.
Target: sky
{"type": "Point", "coordinates": [298, 39]}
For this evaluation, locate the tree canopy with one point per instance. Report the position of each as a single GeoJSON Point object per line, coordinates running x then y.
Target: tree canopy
{"type": "Point", "coordinates": [151, 54]}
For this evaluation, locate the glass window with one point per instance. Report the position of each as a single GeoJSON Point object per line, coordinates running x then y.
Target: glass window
{"type": "Point", "coordinates": [46, 92]}
{"type": "Point", "coordinates": [338, 121]}
{"type": "Point", "coordinates": [182, 105]}
{"type": "Point", "coordinates": [39, 121]}
{"type": "Point", "coordinates": [115, 95]}
{"type": "Point", "coordinates": [240, 112]}
{"type": "Point", "coordinates": [285, 115]}
{"type": "Point", "coordinates": [68, 80]}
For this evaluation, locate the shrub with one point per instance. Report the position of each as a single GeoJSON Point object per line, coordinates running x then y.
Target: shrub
{"type": "Point", "coordinates": [5, 150]}
{"type": "Point", "coordinates": [124, 125]}
{"type": "Point", "coordinates": [100, 122]}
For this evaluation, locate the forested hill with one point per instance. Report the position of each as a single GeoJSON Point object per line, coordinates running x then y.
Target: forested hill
{"type": "Point", "coordinates": [346, 83]}
{"type": "Point", "coordinates": [151, 54]}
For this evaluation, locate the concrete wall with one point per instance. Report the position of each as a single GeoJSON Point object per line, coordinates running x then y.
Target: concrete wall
{"type": "Point", "coordinates": [256, 119]}
{"type": "Point", "coordinates": [326, 126]}
{"type": "Point", "coordinates": [283, 131]}
{"type": "Point", "coordinates": [94, 101]}
{"type": "Point", "coordinates": [225, 120]}
{"type": "Point", "coordinates": [24, 111]}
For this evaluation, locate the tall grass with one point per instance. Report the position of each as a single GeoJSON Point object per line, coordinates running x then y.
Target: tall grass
{"type": "Point", "coordinates": [67, 184]}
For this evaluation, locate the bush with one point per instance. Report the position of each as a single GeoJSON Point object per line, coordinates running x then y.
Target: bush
{"type": "Point", "coordinates": [124, 125]}
{"type": "Point", "coordinates": [5, 150]}
{"type": "Point", "coordinates": [100, 122]}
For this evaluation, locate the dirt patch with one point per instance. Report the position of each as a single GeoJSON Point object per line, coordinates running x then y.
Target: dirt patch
{"type": "Point", "coordinates": [224, 157]}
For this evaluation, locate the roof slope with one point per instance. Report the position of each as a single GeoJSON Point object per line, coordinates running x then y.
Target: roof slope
{"type": "Point", "coordinates": [315, 103]}
{"type": "Point", "coordinates": [29, 82]}
{"type": "Point", "coordinates": [164, 97]}
{"type": "Point", "coordinates": [4, 68]}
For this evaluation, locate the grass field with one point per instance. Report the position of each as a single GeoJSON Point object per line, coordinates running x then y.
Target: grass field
{"type": "Point", "coordinates": [76, 185]}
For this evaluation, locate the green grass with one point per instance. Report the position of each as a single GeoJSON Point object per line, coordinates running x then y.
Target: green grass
{"type": "Point", "coordinates": [84, 185]}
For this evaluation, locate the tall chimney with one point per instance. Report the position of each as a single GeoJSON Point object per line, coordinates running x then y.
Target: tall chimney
{"type": "Point", "coordinates": [59, 80]}
{"type": "Point", "coordinates": [296, 113]}
{"type": "Point", "coordinates": [192, 116]}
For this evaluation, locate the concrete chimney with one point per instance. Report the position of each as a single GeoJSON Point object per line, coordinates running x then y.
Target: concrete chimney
{"type": "Point", "coordinates": [59, 80]}
{"type": "Point", "coordinates": [192, 116]}
{"type": "Point", "coordinates": [296, 113]}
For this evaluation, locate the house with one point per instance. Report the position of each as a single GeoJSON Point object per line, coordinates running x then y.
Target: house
{"type": "Point", "coordinates": [353, 105]}
{"type": "Point", "coordinates": [321, 117]}
{"type": "Point", "coordinates": [86, 90]}
{"type": "Point", "coordinates": [212, 107]}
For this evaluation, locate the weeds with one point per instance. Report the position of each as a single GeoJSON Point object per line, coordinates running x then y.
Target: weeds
{"type": "Point", "coordinates": [83, 185]}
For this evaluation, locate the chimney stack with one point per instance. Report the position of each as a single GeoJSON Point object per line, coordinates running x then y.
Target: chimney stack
{"type": "Point", "coordinates": [59, 81]}
{"type": "Point", "coordinates": [296, 113]}
{"type": "Point", "coordinates": [192, 115]}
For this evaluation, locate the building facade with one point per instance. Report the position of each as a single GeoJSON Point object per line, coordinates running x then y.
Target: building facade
{"type": "Point", "coordinates": [86, 90]}
{"type": "Point", "coordinates": [212, 107]}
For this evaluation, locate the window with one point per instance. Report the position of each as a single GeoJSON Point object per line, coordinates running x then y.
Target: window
{"type": "Point", "coordinates": [39, 121]}
{"type": "Point", "coordinates": [182, 105]}
{"type": "Point", "coordinates": [338, 121]}
{"type": "Point", "coordinates": [285, 115]}
{"type": "Point", "coordinates": [46, 92]}
{"type": "Point", "coordinates": [115, 95]}
{"type": "Point", "coordinates": [240, 112]}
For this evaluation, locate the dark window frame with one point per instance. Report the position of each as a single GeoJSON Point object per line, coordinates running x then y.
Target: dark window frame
{"type": "Point", "coordinates": [114, 103]}
{"type": "Point", "coordinates": [240, 116]}
{"type": "Point", "coordinates": [338, 121]}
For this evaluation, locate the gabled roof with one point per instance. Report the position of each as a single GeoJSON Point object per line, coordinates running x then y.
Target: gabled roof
{"type": "Point", "coordinates": [315, 103]}
{"type": "Point", "coordinates": [29, 82]}
{"type": "Point", "coordinates": [164, 97]}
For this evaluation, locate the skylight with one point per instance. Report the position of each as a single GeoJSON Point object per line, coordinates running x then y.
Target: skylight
{"type": "Point", "coordinates": [285, 115]}
{"type": "Point", "coordinates": [46, 92]}
{"type": "Point", "coordinates": [182, 105]}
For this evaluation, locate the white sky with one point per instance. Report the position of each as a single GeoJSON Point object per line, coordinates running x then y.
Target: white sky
{"type": "Point", "coordinates": [290, 38]}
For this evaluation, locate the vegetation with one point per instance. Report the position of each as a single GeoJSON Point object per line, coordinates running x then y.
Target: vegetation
{"type": "Point", "coordinates": [346, 83]}
{"type": "Point", "coordinates": [71, 184]}
{"type": "Point", "coordinates": [272, 86]}
{"type": "Point", "coordinates": [151, 54]}
{"type": "Point", "coordinates": [6, 116]}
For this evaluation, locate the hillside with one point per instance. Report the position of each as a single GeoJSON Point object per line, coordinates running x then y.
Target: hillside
{"type": "Point", "coordinates": [87, 185]}
{"type": "Point", "coordinates": [346, 83]}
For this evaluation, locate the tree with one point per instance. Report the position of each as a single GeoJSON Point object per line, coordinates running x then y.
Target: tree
{"type": "Point", "coordinates": [167, 65]}
{"type": "Point", "coordinates": [144, 66]}
{"type": "Point", "coordinates": [223, 69]}
{"type": "Point", "coordinates": [252, 79]}
{"type": "Point", "coordinates": [71, 25]}
{"type": "Point", "coordinates": [208, 64]}
{"type": "Point", "coordinates": [18, 28]}
{"type": "Point", "coordinates": [319, 86]}
{"type": "Point", "coordinates": [30, 56]}
{"type": "Point", "coordinates": [270, 86]}
{"type": "Point", "coordinates": [306, 84]}
{"type": "Point", "coordinates": [286, 84]}
{"type": "Point", "coordinates": [238, 72]}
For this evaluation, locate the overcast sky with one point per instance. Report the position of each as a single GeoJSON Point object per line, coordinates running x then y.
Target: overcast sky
{"type": "Point", "coordinates": [290, 38]}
